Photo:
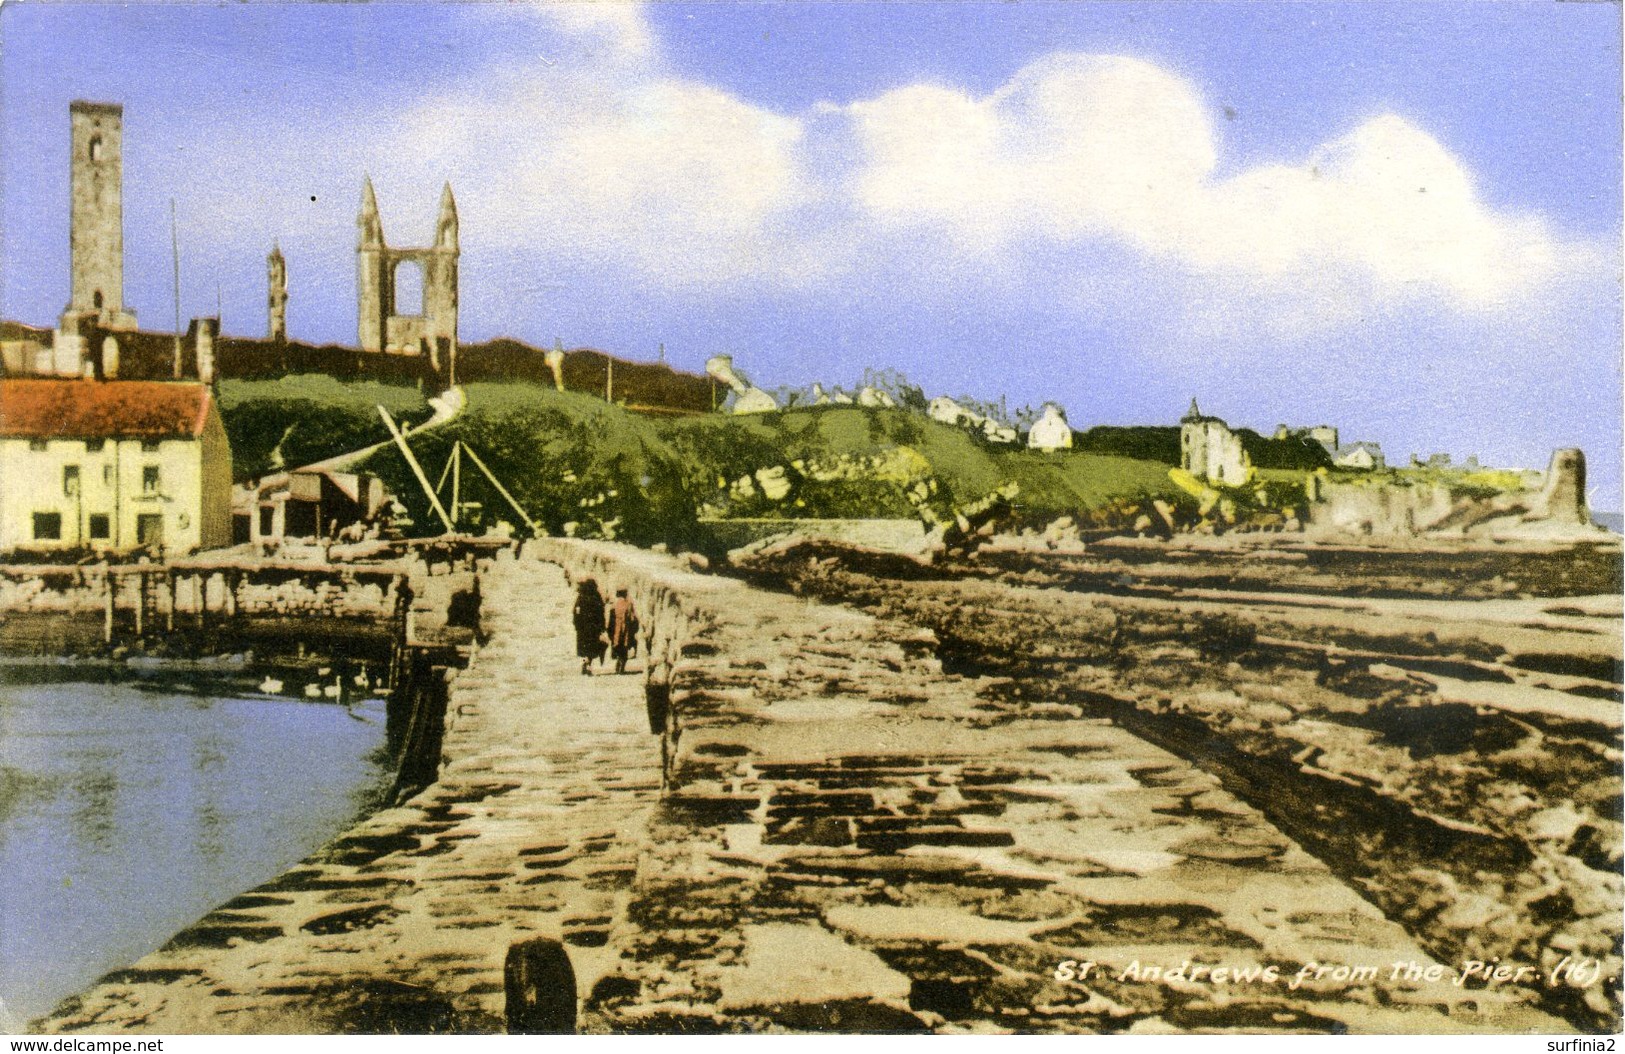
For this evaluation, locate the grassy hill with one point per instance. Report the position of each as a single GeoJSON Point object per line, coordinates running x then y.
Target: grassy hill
{"type": "Point", "coordinates": [301, 418]}
{"type": "Point", "coordinates": [578, 465]}
{"type": "Point", "coordinates": [581, 466]}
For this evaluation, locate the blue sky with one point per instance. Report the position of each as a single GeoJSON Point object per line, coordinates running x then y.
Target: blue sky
{"type": "Point", "coordinates": [1402, 218]}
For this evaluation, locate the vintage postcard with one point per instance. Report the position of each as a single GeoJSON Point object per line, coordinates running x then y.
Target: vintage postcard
{"type": "Point", "coordinates": [678, 518]}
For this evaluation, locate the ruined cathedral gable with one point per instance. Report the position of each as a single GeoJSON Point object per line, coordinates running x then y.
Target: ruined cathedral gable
{"type": "Point", "coordinates": [383, 325]}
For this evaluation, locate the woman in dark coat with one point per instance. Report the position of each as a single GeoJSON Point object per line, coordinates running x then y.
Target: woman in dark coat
{"type": "Point", "coordinates": [589, 622]}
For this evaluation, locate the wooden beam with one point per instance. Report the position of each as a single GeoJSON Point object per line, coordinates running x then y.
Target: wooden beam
{"type": "Point", "coordinates": [501, 489]}
{"type": "Point", "coordinates": [417, 469]}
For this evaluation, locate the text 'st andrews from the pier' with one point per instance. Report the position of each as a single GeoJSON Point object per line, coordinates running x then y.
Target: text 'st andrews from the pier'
{"type": "Point", "coordinates": [1570, 971]}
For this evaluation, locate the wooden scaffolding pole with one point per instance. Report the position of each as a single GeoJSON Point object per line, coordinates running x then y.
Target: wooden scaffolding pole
{"type": "Point", "coordinates": [502, 490]}
{"type": "Point", "coordinates": [417, 469]}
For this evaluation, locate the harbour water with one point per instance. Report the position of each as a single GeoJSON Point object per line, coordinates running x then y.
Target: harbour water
{"type": "Point", "coordinates": [127, 813]}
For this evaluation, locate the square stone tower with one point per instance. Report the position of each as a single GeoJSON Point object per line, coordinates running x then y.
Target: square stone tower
{"type": "Point", "coordinates": [96, 214]}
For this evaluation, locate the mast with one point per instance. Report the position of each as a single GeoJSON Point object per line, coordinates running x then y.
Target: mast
{"type": "Point", "coordinates": [175, 250]}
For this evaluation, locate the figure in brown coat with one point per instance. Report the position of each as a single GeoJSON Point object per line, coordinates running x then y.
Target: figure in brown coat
{"type": "Point", "coordinates": [623, 629]}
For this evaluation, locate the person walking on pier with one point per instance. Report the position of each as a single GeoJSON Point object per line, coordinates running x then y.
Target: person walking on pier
{"type": "Point", "coordinates": [623, 629]}
{"type": "Point", "coordinates": [589, 622]}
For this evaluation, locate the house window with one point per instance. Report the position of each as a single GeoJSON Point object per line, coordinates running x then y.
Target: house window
{"type": "Point", "coordinates": [267, 520]}
{"type": "Point", "coordinates": [149, 530]}
{"type": "Point", "coordinates": [38, 445]}
{"type": "Point", "coordinates": [149, 446]}
{"type": "Point", "coordinates": [94, 446]}
{"type": "Point", "coordinates": [47, 526]}
{"type": "Point", "coordinates": [149, 479]}
{"type": "Point", "coordinates": [100, 529]}
{"type": "Point", "coordinates": [70, 481]}
{"type": "Point", "coordinates": [108, 474]}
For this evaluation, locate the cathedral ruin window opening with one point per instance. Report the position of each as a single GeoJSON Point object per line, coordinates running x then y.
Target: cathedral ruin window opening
{"type": "Point", "coordinates": [409, 288]}
{"type": "Point", "coordinates": [96, 300]}
{"type": "Point", "coordinates": [96, 148]}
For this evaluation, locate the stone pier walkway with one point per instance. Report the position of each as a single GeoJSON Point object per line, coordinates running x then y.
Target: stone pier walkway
{"type": "Point", "coordinates": [404, 923]}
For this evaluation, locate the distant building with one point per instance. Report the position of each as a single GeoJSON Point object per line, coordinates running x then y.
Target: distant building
{"type": "Point", "coordinates": [1209, 450]}
{"type": "Point", "coordinates": [112, 465]}
{"type": "Point", "coordinates": [276, 296]}
{"type": "Point", "coordinates": [949, 412]}
{"type": "Point", "coordinates": [308, 503]}
{"type": "Point", "coordinates": [1359, 456]}
{"type": "Point", "coordinates": [1050, 431]}
{"type": "Point", "coordinates": [96, 214]}
{"type": "Point", "coordinates": [748, 399]}
{"type": "Point", "coordinates": [1325, 435]}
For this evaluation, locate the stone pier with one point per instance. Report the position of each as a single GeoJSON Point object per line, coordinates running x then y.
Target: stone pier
{"type": "Point", "coordinates": [823, 831]}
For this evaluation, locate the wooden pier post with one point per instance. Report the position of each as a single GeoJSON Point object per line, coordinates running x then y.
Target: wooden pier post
{"type": "Point", "coordinates": [107, 611]}
{"type": "Point", "coordinates": [540, 987]}
{"type": "Point", "coordinates": [141, 585]}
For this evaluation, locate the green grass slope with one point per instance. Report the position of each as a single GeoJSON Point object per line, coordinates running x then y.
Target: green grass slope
{"type": "Point", "coordinates": [302, 418]}
{"type": "Point", "coordinates": [580, 466]}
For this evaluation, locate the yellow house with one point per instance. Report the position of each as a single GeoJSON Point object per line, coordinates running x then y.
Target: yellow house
{"type": "Point", "coordinates": [112, 465]}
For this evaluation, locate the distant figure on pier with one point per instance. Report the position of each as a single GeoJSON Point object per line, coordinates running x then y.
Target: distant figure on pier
{"type": "Point", "coordinates": [623, 629]}
{"type": "Point", "coordinates": [589, 621]}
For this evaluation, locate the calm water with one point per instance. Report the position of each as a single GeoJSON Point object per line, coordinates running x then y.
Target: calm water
{"type": "Point", "coordinates": [127, 814]}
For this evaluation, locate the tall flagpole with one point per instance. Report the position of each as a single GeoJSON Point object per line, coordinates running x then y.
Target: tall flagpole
{"type": "Point", "coordinates": [175, 248]}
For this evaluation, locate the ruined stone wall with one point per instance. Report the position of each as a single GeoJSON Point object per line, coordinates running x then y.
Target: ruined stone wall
{"type": "Point", "coordinates": [267, 592]}
{"type": "Point", "coordinates": [898, 536]}
{"type": "Point", "coordinates": [1381, 510]}
{"type": "Point", "coordinates": [1550, 505]}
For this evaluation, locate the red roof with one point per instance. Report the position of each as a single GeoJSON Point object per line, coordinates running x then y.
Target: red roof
{"type": "Point", "coordinates": [38, 408]}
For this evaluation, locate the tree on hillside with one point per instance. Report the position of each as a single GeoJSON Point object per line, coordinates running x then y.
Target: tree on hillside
{"type": "Point", "coordinates": [895, 384]}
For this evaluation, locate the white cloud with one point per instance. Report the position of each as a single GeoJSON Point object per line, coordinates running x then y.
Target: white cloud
{"type": "Point", "coordinates": [620, 23]}
{"type": "Point", "coordinates": [1073, 145]}
{"type": "Point", "coordinates": [1078, 146]}
{"type": "Point", "coordinates": [667, 176]}
{"type": "Point", "coordinates": [600, 151]}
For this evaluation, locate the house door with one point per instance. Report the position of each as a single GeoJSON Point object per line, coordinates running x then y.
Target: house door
{"type": "Point", "coordinates": [149, 530]}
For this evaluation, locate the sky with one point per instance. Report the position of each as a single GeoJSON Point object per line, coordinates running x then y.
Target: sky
{"type": "Point", "coordinates": [1403, 219]}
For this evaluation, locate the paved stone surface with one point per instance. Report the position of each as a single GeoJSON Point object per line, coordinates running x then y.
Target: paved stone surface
{"type": "Point", "coordinates": [848, 839]}
{"type": "Point", "coordinates": [830, 781]}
